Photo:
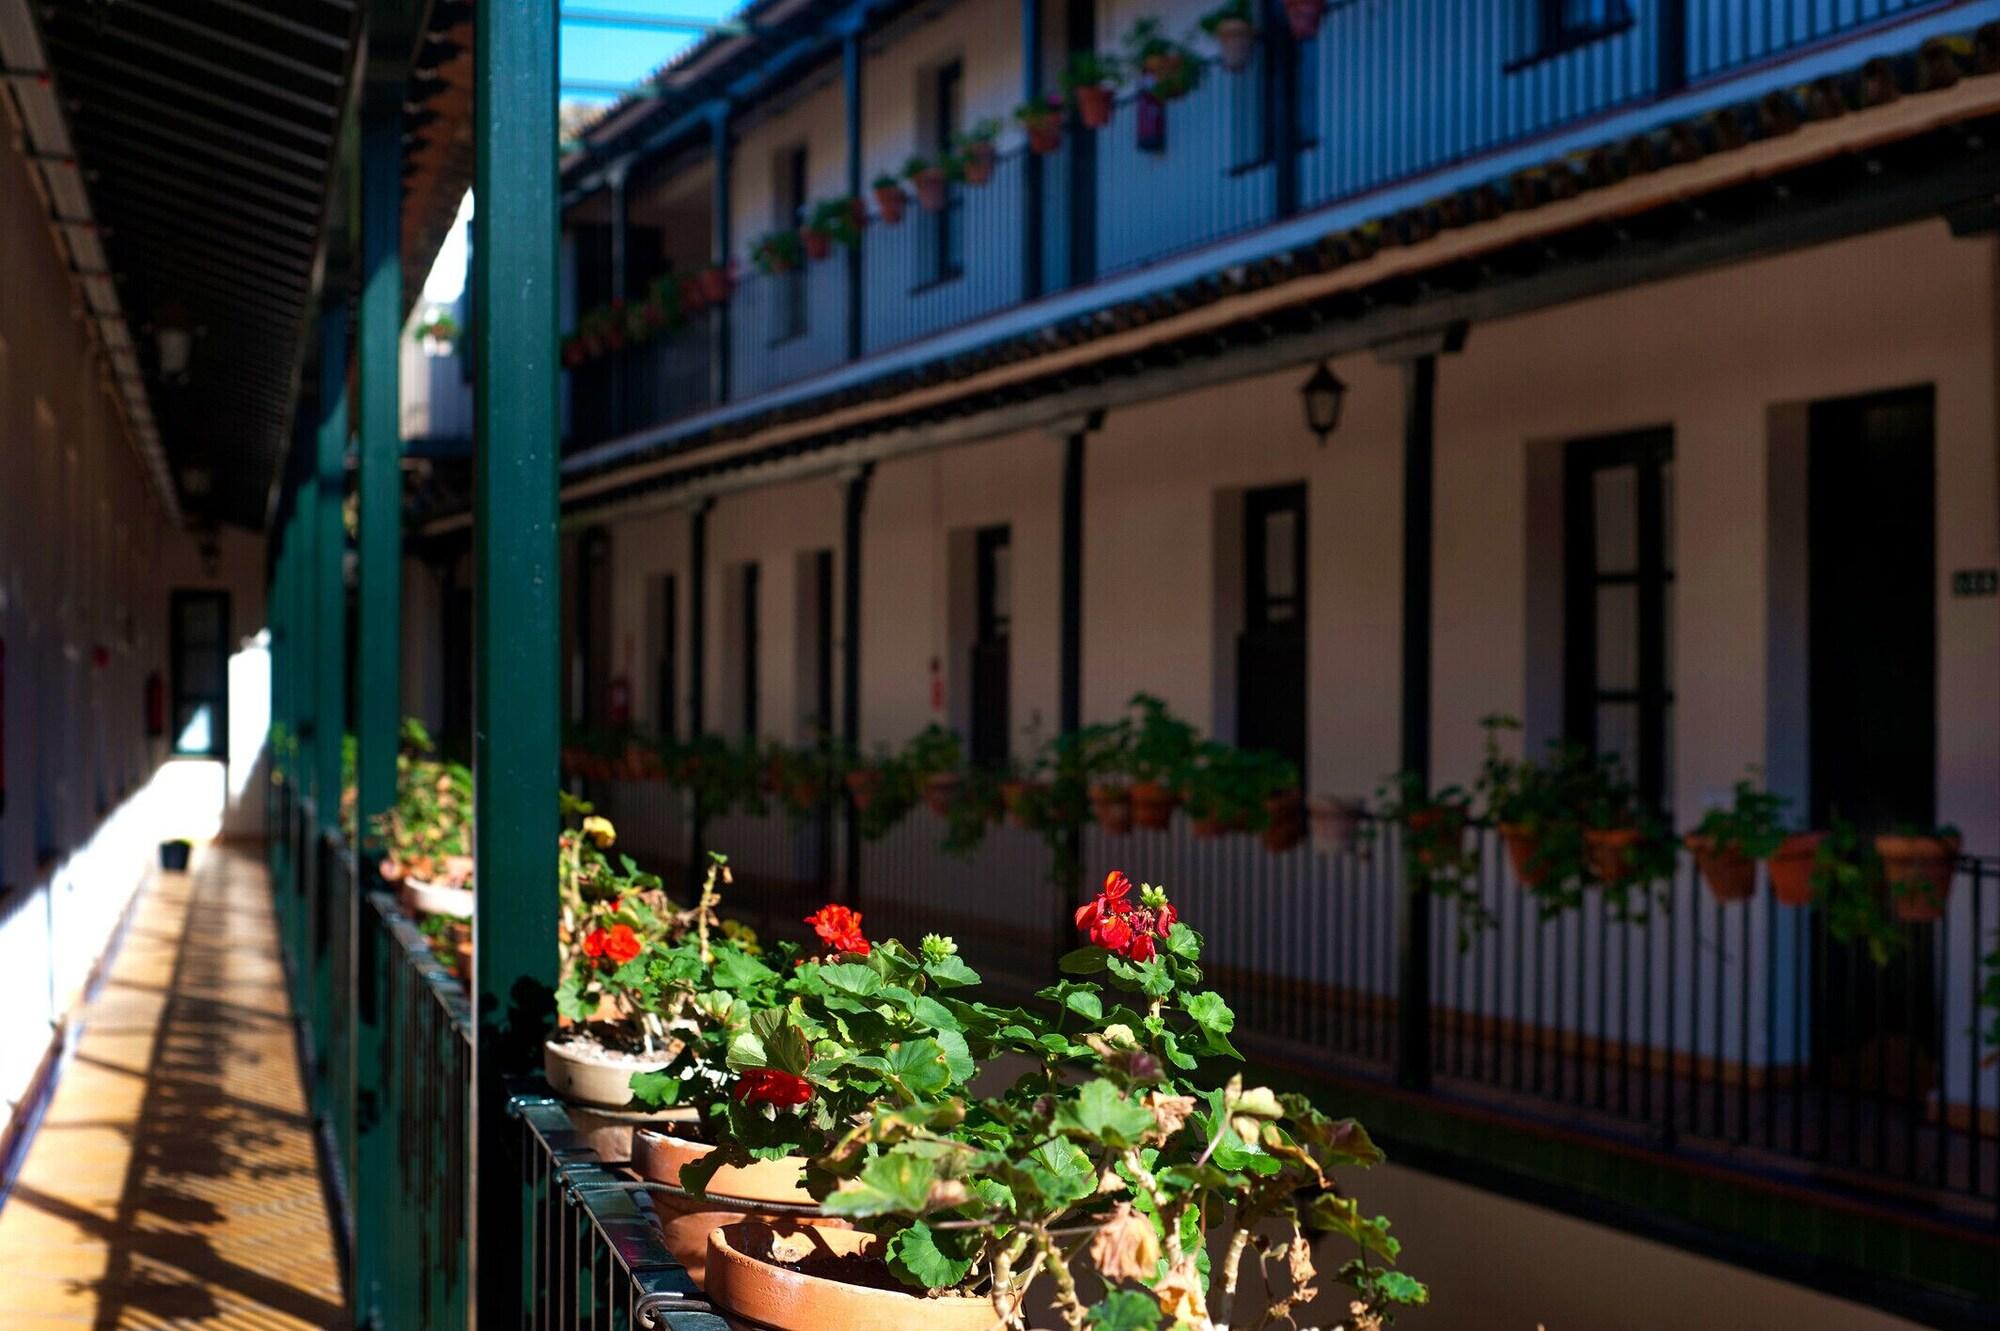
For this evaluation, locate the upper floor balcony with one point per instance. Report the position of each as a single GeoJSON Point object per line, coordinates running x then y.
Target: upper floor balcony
{"type": "Point", "coordinates": [1227, 151]}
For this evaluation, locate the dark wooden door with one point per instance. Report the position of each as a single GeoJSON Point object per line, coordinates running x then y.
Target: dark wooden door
{"type": "Point", "coordinates": [992, 725]}
{"type": "Point", "coordinates": [1271, 653]}
{"type": "Point", "coordinates": [1872, 697]}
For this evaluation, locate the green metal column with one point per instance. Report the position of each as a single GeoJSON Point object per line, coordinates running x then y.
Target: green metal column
{"type": "Point", "coordinates": [516, 619]}
{"type": "Point", "coordinates": [305, 682]}
{"type": "Point", "coordinates": [378, 663]}
{"type": "Point", "coordinates": [329, 601]}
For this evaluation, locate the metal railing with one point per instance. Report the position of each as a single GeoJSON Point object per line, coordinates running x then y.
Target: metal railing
{"type": "Point", "coordinates": [595, 1258]}
{"type": "Point", "coordinates": [1382, 95]}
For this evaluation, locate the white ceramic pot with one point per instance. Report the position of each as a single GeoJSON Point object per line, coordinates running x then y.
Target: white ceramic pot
{"type": "Point", "coordinates": [587, 1076]}
{"type": "Point", "coordinates": [421, 898]}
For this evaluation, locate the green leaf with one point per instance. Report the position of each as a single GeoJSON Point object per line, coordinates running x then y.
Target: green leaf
{"type": "Point", "coordinates": [1084, 961]}
{"type": "Point", "coordinates": [735, 969]}
{"type": "Point", "coordinates": [1102, 1113]}
{"type": "Point", "coordinates": [1184, 943]}
{"type": "Point", "coordinates": [569, 999]}
{"type": "Point", "coordinates": [851, 978]}
{"type": "Point", "coordinates": [957, 1056]}
{"type": "Point", "coordinates": [920, 1067]}
{"type": "Point", "coordinates": [934, 1014]}
{"type": "Point", "coordinates": [898, 1183]}
{"type": "Point", "coordinates": [918, 1256]}
{"type": "Point", "coordinates": [1209, 1012]}
{"type": "Point", "coordinates": [1085, 1004]}
{"type": "Point", "coordinates": [951, 973]}
{"type": "Point", "coordinates": [1125, 1310]}
{"type": "Point", "coordinates": [658, 1089]}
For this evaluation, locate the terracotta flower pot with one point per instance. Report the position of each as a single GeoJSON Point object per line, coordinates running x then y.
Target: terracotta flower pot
{"type": "Point", "coordinates": [1014, 797]}
{"type": "Point", "coordinates": [978, 163]}
{"type": "Point", "coordinates": [1287, 825]}
{"type": "Point", "coordinates": [1437, 833]}
{"type": "Point", "coordinates": [1333, 822]}
{"type": "Point", "coordinates": [1235, 41]}
{"type": "Point", "coordinates": [1303, 17]}
{"type": "Point", "coordinates": [1730, 874]}
{"type": "Point", "coordinates": [1045, 136]}
{"type": "Point", "coordinates": [609, 1132]}
{"type": "Point", "coordinates": [685, 1223]}
{"type": "Point", "coordinates": [818, 244]}
{"type": "Point", "coordinates": [1153, 805]}
{"type": "Point", "coordinates": [933, 190]}
{"type": "Point", "coordinates": [1523, 844]}
{"type": "Point", "coordinates": [940, 789]}
{"type": "Point", "coordinates": [766, 1279]}
{"type": "Point", "coordinates": [1918, 871]}
{"type": "Point", "coordinates": [1207, 829]}
{"type": "Point", "coordinates": [1611, 853]}
{"type": "Point", "coordinates": [1150, 123]}
{"type": "Point", "coordinates": [586, 1074]}
{"type": "Point", "coordinates": [716, 284]}
{"type": "Point", "coordinates": [1094, 104]}
{"type": "Point", "coordinates": [1791, 868]}
{"type": "Point", "coordinates": [1113, 807]}
{"type": "Point", "coordinates": [863, 784]}
{"type": "Point", "coordinates": [889, 203]}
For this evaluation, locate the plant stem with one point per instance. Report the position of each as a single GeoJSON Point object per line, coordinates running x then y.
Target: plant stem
{"type": "Point", "coordinates": [1057, 1265]}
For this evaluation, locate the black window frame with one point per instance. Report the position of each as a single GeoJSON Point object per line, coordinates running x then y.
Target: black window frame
{"type": "Point", "coordinates": [1649, 451]}
{"type": "Point", "coordinates": [993, 628]}
{"type": "Point", "coordinates": [752, 648]}
{"type": "Point", "coordinates": [946, 90]}
{"type": "Point", "coordinates": [790, 178]}
{"type": "Point", "coordinates": [1552, 32]}
{"type": "Point", "coordinates": [181, 695]}
{"type": "Point", "coordinates": [666, 667]}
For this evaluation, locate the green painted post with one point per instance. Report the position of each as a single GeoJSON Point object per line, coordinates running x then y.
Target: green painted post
{"type": "Point", "coordinates": [329, 597]}
{"type": "Point", "coordinates": [305, 699]}
{"type": "Point", "coordinates": [378, 664]}
{"type": "Point", "coordinates": [516, 619]}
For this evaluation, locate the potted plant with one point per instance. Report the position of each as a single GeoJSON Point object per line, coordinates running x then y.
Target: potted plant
{"type": "Point", "coordinates": [174, 854]}
{"type": "Point", "coordinates": [779, 252]}
{"type": "Point", "coordinates": [783, 1057]}
{"type": "Point", "coordinates": [1791, 868]}
{"type": "Point", "coordinates": [718, 283]}
{"type": "Point", "coordinates": [426, 835]}
{"type": "Point", "coordinates": [438, 333]}
{"type": "Point", "coordinates": [889, 199]}
{"type": "Point", "coordinates": [1232, 26]}
{"type": "Point", "coordinates": [975, 152]}
{"type": "Point", "coordinates": [1435, 853]}
{"type": "Point", "coordinates": [1284, 819]}
{"type": "Point", "coordinates": [1848, 885]}
{"type": "Point", "coordinates": [1303, 17]}
{"type": "Point", "coordinates": [1728, 842]}
{"type": "Point", "coordinates": [1042, 119]}
{"type": "Point", "coordinates": [612, 913]}
{"type": "Point", "coordinates": [833, 221]}
{"type": "Point", "coordinates": [1114, 1170]}
{"type": "Point", "coordinates": [1111, 803]}
{"type": "Point", "coordinates": [1918, 866]}
{"type": "Point", "coordinates": [1171, 70]}
{"type": "Point", "coordinates": [1090, 82]}
{"type": "Point", "coordinates": [1333, 821]}
{"type": "Point", "coordinates": [931, 177]}
{"type": "Point", "coordinates": [1159, 756]}
{"type": "Point", "coordinates": [935, 758]}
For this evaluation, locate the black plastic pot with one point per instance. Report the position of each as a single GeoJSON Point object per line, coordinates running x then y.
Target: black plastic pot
{"type": "Point", "coordinates": [174, 856]}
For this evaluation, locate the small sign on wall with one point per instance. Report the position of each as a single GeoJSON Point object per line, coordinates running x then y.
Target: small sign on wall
{"type": "Point", "coordinates": [1975, 582]}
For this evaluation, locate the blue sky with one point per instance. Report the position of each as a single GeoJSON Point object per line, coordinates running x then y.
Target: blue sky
{"type": "Point", "coordinates": [595, 53]}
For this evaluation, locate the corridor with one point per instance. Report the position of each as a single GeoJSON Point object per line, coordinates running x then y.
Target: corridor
{"type": "Point", "coordinates": [173, 1181]}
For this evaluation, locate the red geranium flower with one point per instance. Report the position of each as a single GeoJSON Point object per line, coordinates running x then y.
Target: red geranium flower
{"type": "Point", "coordinates": [1112, 922]}
{"type": "Point", "coordinates": [593, 943]}
{"type": "Point", "coordinates": [771, 1086]}
{"type": "Point", "coordinates": [621, 945]}
{"type": "Point", "coordinates": [839, 928]}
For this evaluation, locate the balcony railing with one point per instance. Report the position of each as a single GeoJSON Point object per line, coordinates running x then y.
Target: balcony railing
{"type": "Point", "coordinates": [1740, 1033]}
{"type": "Point", "coordinates": [1383, 95]}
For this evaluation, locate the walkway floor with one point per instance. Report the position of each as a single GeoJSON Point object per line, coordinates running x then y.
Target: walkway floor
{"type": "Point", "coordinates": [173, 1182]}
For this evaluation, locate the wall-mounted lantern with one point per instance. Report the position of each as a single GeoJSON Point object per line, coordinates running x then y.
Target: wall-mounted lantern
{"type": "Point", "coordinates": [1323, 395]}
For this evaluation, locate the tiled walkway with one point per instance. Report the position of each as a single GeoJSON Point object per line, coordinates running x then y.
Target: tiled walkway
{"type": "Point", "coordinates": [173, 1182]}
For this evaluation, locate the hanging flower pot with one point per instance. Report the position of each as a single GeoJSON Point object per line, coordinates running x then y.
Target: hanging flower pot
{"type": "Point", "coordinates": [765, 1277]}
{"type": "Point", "coordinates": [1094, 104]}
{"type": "Point", "coordinates": [1730, 874]}
{"type": "Point", "coordinates": [818, 244]}
{"type": "Point", "coordinates": [1436, 834]}
{"type": "Point", "coordinates": [1235, 42]}
{"type": "Point", "coordinates": [1918, 871]}
{"type": "Point", "coordinates": [1150, 121]}
{"type": "Point", "coordinates": [1523, 845]}
{"type": "Point", "coordinates": [1153, 805]}
{"type": "Point", "coordinates": [889, 200]}
{"type": "Point", "coordinates": [1791, 868]}
{"type": "Point", "coordinates": [1287, 825]}
{"type": "Point", "coordinates": [717, 282]}
{"type": "Point", "coordinates": [694, 294]}
{"type": "Point", "coordinates": [1113, 807]}
{"type": "Point", "coordinates": [933, 187]}
{"type": "Point", "coordinates": [1303, 17]}
{"type": "Point", "coordinates": [1017, 798]}
{"type": "Point", "coordinates": [978, 160]}
{"type": "Point", "coordinates": [685, 1223]}
{"type": "Point", "coordinates": [863, 784]}
{"type": "Point", "coordinates": [1333, 822]}
{"type": "Point", "coordinates": [1612, 853]}
{"type": "Point", "coordinates": [940, 790]}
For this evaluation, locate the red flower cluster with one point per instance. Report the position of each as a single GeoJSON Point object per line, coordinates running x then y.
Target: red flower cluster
{"type": "Point", "coordinates": [770, 1086]}
{"type": "Point", "coordinates": [618, 944]}
{"type": "Point", "coordinates": [1116, 925]}
{"type": "Point", "coordinates": [839, 928]}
